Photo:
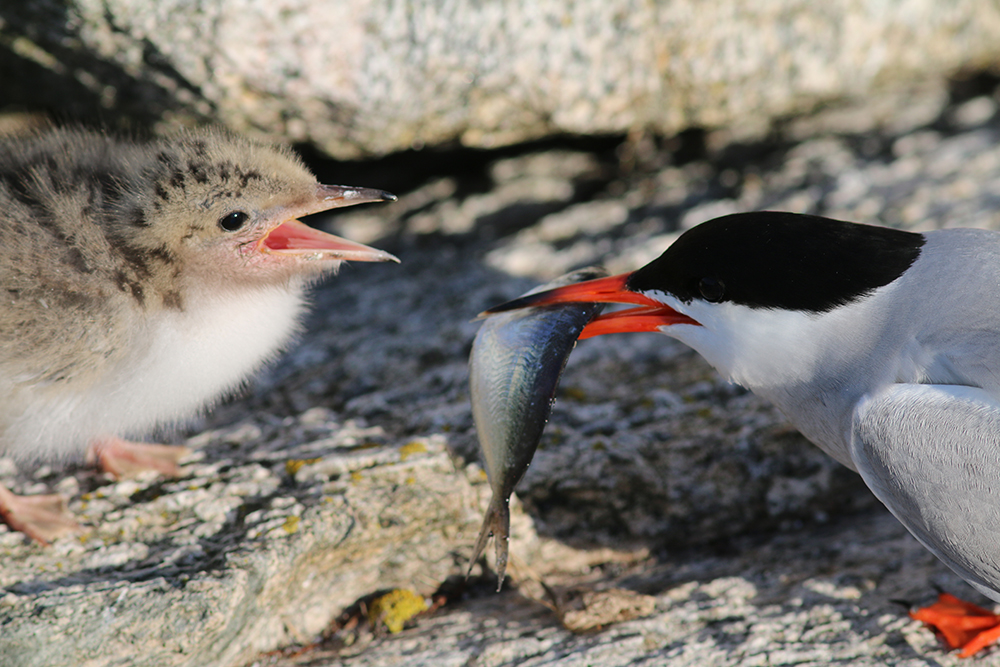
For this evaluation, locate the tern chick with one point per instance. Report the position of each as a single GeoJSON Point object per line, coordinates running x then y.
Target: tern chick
{"type": "Point", "coordinates": [141, 281]}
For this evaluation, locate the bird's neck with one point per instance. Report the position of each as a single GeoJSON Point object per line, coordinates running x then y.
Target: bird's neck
{"type": "Point", "coordinates": [807, 364]}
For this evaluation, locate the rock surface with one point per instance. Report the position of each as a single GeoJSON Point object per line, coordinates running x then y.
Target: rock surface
{"type": "Point", "coordinates": [340, 472]}
{"type": "Point", "coordinates": [725, 611]}
{"type": "Point", "coordinates": [261, 542]}
{"type": "Point", "coordinates": [373, 77]}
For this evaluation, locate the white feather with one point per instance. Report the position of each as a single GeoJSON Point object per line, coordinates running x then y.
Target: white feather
{"type": "Point", "coordinates": [180, 363]}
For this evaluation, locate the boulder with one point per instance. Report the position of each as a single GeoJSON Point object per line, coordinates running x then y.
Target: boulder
{"type": "Point", "coordinates": [373, 77]}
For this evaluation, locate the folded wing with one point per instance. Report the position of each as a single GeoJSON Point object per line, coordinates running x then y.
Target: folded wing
{"type": "Point", "coordinates": [931, 454]}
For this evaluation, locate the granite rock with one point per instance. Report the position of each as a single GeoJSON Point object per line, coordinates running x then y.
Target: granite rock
{"type": "Point", "coordinates": [348, 467]}
{"type": "Point", "coordinates": [374, 77]}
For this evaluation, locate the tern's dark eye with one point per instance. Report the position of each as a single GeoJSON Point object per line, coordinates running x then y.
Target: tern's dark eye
{"type": "Point", "coordinates": [711, 289]}
{"type": "Point", "coordinates": [233, 221]}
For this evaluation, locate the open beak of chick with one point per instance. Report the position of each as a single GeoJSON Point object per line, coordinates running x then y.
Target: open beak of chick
{"type": "Point", "coordinates": [289, 237]}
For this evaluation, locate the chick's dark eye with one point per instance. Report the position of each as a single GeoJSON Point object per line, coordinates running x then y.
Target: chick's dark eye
{"type": "Point", "coordinates": [233, 221]}
{"type": "Point", "coordinates": [711, 289]}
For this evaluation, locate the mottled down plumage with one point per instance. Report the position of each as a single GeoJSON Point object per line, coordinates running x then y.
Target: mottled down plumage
{"type": "Point", "coordinates": [140, 281]}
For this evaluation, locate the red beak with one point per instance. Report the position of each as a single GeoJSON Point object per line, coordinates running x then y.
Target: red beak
{"type": "Point", "coordinates": [649, 316]}
{"type": "Point", "coordinates": [291, 237]}
{"type": "Point", "coordinates": [295, 238]}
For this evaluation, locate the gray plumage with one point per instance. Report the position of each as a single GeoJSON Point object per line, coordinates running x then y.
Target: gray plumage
{"type": "Point", "coordinates": [880, 346]}
{"type": "Point", "coordinates": [902, 385]}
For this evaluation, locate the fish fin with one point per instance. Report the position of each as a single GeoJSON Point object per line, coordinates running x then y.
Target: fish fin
{"type": "Point", "coordinates": [501, 534]}
{"type": "Point", "coordinates": [485, 533]}
{"type": "Point", "coordinates": [496, 524]}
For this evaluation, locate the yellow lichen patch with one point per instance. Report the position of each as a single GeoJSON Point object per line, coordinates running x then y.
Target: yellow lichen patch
{"type": "Point", "coordinates": [414, 447]}
{"type": "Point", "coordinates": [395, 608]}
{"type": "Point", "coordinates": [292, 466]}
{"type": "Point", "coordinates": [356, 476]}
{"type": "Point", "coordinates": [291, 525]}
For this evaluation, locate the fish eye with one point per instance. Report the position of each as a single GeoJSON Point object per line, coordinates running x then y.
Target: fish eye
{"type": "Point", "coordinates": [233, 221]}
{"type": "Point", "coordinates": [711, 289]}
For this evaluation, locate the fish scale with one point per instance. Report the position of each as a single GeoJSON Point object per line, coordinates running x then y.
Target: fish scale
{"type": "Point", "coordinates": [516, 361]}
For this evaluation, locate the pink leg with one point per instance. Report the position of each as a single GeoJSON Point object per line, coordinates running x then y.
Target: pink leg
{"type": "Point", "coordinates": [123, 458]}
{"type": "Point", "coordinates": [42, 518]}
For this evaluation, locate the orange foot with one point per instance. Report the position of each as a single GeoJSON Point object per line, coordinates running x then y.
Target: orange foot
{"type": "Point", "coordinates": [42, 518]}
{"type": "Point", "coordinates": [123, 458]}
{"type": "Point", "coordinates": [961, 624]}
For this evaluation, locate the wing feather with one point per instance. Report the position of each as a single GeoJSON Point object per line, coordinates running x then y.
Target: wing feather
{"type": "Point", "coordinates": [931, 454]}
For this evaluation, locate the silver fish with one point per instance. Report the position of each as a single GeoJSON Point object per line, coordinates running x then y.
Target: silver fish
{"type": "Point", "coordinates": [516, 361]}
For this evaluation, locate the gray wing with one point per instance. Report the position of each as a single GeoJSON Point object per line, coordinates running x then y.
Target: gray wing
{"type": "Point", "coordinates": [931, 453]}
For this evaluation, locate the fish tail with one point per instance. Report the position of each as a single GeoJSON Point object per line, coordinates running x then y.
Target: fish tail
{"type": "Point", "coordinates": [496, 524]}
{"type": "Point", "coordinates": [485, 533]}
{"type": "Point", "coordinates": [501, 533]}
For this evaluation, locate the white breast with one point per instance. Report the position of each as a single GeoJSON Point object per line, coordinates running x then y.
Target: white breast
{"type": "Point", "coordinates": [179, 364]}
{"type": "Point", "coordinates": [209, 348]}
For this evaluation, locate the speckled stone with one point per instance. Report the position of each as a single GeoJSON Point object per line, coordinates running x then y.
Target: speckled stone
{"type": "Point", "coordinates": [373, 77]}
{"type": "Point", "coordinates": [345, 468]}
